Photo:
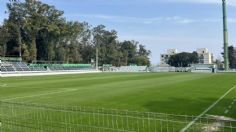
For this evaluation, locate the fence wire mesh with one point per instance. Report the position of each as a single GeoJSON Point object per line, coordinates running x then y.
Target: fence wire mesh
{"type": "Point", "coordinates": [23, 117]}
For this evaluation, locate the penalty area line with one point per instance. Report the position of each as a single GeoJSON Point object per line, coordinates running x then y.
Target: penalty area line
{"type": "Point", "coordinates": [39, 95]}
{"type": "Point", "coordinates": [208, 109]}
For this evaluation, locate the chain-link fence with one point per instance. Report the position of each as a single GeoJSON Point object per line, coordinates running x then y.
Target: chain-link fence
{"type": "Point", "coordinates": [23, 117]}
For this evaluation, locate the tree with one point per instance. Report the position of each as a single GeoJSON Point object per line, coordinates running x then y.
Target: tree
{"type": "Point", "coordinates": [129, 51]}
{"type": "Point", "coordinates": [87, 47]}
{"type": "Point", "coordinates": [143, 54]}
{"type": "Point", "coordinates": [32, 17]}
{"type": "Point", "coordinates": [14, 24]}
{"type": "Point", "coordinates": [37, 31]}
{"type": "Point", "coordinates": [4, 37]}
{"type": "Point", "coordinates": [232, 57]}
{"type": "Point", "coordinates": [219, 63]}
{"type": "Point", "coordinates": [107, 44]}
{"type": "Point", "coordinates": [183, 59]}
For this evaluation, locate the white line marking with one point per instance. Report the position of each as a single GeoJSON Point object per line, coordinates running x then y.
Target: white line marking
{"type": "Point", "coordinates": [38, 95]}
{"type": "Point", "coordinates": [209, 108]}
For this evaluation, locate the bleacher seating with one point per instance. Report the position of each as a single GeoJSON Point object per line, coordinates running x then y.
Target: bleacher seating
{"type": "Point", "coordinates": [7, 66]}
{"type": "Point", "coordinates": [19, 66]}
{"type": "Point", "coordinates": [14, 66]}
{"type": "Point", "coordinates": [62, 67]}
{"type": "Point", "coordinates": [69, 67]}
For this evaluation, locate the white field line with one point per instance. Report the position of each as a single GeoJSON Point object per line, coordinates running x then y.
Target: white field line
{"type": "Point", "coordinates": [208, 109]}
{"type": "Point", "coordinates": [38, 95]}
{"type": "Point", "coordinates": [20, 74]}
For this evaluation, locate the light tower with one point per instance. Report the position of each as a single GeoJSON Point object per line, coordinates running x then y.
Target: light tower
{"type": "Point", "coordinates": [225, 35]}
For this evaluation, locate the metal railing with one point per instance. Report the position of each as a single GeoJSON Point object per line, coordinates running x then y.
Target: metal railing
{"type": "Point", "coordinates": [24, 117]}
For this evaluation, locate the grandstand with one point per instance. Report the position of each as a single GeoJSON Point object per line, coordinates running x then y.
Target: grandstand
{"type": "Point", "coordinates": [16, 65]}
{"type": "Point", "coordinates": [61, 67]}
{"type": "Point", "coordinates": [8, 66]}
{"type": "Point", "coordinates": [12, 64]}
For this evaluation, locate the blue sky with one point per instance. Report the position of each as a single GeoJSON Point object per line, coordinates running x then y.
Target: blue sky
{"type": "Point", "coordinates": [158, 24]}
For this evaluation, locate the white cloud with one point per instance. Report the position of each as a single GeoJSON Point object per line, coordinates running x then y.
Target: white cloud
{"type": "Point", "coordinates": [141, 20]}
{"type": "Point", "coordinates": [229, 2]}
{"type": "Point", "coordinates": [131, 2]}
{"type": "Point", "coordinates": [118, 18]}
{"type": "Point", "coordinates": [151, 20]}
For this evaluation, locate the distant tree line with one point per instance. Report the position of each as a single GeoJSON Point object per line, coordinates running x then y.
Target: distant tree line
{"type": "Point", "coordinates": [232, 57]}
{"type": "Point", "coordinates": [183, 59]}
{"type": "Point", "coordinates": [38, 31]}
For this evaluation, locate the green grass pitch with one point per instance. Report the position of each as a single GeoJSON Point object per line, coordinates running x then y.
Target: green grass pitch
{"type": "Point", "coordinates": [175, 93]}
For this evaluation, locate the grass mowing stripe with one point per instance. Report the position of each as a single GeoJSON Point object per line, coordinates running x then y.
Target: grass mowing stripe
{"type": "Point", "coordinates": [3, 85]}
{"type": "Point", "coordinates": [38, 95]}
{"type": "Point", "coordinates": [209, 108]}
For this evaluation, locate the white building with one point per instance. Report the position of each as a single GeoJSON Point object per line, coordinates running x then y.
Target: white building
{"type": "Point", "coordinates": [205, 57]}
{"type": "Point", "coordinates": [165, 57]}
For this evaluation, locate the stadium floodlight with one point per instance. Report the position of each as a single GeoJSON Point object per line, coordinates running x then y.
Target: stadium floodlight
{"type": "Point", "coordinates": [96, 57]}
{"type": "Point", "coordinates": [225, 35]}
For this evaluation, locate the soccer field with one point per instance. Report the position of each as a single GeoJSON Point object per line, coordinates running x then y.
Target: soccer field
{"type": "Point", "coordinates": [171, 93]}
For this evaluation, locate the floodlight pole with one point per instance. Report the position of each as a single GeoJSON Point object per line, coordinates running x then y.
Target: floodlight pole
{"type": "Point", "coordinates": [96, 57]}
{"type": "Point", "coordinates": [225, 35]}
